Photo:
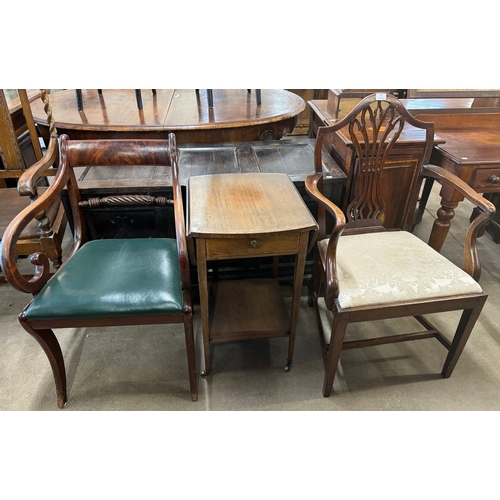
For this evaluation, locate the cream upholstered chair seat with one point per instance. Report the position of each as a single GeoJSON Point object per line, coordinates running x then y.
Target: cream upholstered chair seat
{"type": "Point", "coordinates": [393, 266]}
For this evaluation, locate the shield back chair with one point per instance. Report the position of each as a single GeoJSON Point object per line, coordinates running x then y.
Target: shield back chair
{"type": "Point", "coordinates": [115, 282]}
{"type": "Point", "coordinates": [366, 272]}
{"type": "Point", "coordinates": [46, 231]}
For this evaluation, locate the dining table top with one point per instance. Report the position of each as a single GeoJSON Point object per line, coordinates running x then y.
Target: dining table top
{"type": "Point", "coordinates": [182, 111]}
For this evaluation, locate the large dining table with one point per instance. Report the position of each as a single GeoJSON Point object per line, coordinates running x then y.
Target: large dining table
{"type": "Point", "coordinates": [232, 114]}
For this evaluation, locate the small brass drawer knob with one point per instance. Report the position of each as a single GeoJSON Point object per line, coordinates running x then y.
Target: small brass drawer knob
{"type": "Point", "coordinates": [253, 243]}
{"type": "Point", "coordinates": [494, 179]}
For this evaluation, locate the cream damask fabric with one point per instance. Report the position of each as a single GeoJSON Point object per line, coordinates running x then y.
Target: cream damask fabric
{"type": "Point", "coordinates": [394, 266]}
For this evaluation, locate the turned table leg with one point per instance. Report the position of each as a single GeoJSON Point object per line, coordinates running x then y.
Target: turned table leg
{"type": "Point", "coordinates": [442, 224]}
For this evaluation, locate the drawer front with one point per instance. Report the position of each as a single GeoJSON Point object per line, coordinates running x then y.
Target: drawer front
{"type": "Point", "coordinates": [486, 178]}
{"type": "Point", "coordinates": [224, 248]}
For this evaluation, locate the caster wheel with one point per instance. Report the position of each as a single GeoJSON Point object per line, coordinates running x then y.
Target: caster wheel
{"type": "Point", "coordinates": [204, 373]}
{"type": "Point", "coordinates": [288, 366]}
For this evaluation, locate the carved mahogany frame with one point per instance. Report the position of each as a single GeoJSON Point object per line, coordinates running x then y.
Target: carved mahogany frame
{"type": "Point", "coordinates": [325, 280]}
{"type": "Point", "coordinates": [90, 153]}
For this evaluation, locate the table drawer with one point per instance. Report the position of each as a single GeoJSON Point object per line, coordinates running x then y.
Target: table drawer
{"type": "Point", "coordinates": [486, 178]}
{"type": "Point", "coordinates": [278, 244]}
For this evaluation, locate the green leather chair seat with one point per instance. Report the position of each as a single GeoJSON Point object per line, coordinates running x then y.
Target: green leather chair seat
{"type": "Point", "coordinates": [111, 278]}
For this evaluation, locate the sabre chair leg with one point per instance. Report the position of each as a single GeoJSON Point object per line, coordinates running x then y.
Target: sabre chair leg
{"type": "Point", "coordinates": [50, 345]}
{"type": "Point", "coordinates": [191, 358]}
{"type": "Point", "coordinates": [464, 329]}
{"type": "Point", "coordinates": [339, 326]}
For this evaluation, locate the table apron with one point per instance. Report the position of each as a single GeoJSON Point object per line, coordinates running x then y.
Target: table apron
{"type": "Point", "coordinates": [486, 177]}
{"type": "Point", "coordinates": [252, 246]}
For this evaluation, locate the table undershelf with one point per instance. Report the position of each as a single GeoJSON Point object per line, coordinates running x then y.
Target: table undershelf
{"type": "Point", "coordinates": [247, 309]}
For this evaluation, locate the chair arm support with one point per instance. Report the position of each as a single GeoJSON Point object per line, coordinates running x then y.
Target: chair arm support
{"type": "Point", "coordinates": [313, 187]}
{"type": "Point", "coordinates": [27, 184]}
{"type": "Point", "coordinates": [472, 264]}
{"type": "Point", "coordinates": [180, 226]}
{"type": "Point", "coordinates": [182, 249]}
{"type": "Point", "coordinates": [16, 227]}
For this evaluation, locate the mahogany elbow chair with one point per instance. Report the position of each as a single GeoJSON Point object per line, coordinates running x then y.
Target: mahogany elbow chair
{"type": "Point", "coordinates": [365, 272]}
{"type": "Point", "coordinates": [114, 282]}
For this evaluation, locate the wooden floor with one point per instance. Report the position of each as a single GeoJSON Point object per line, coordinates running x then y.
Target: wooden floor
{"type": "Point", "coordinates": [115, 114]}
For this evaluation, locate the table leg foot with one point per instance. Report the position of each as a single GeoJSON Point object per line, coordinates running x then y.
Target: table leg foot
{"type": "Point", "coordinates": [205, 373]}
{"type": "Point", "coordinates": [288, 367]}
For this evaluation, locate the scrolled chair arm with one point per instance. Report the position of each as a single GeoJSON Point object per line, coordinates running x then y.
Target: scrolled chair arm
{"type": "Point", "coordinates": [27, 182]}
{"type": "Point", "coordinates": [472, 263]}
{"type": "Point", "coordinates": [313, 185]}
